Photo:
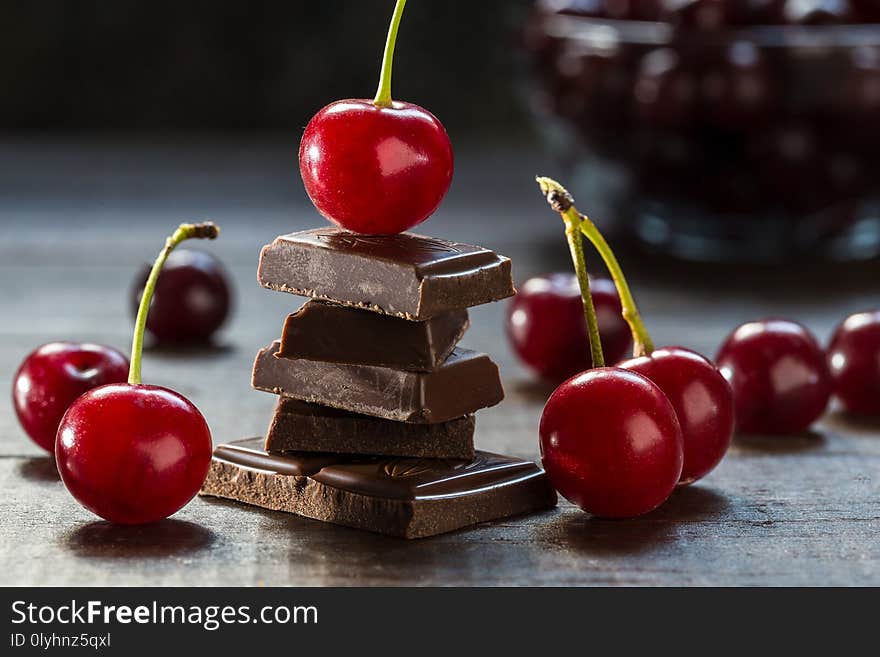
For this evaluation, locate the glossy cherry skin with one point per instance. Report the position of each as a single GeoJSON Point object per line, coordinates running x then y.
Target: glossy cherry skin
{"type": "Point", "coordinates": [133, 454]}
{"type": "Point", "coordinates": [375, 170]}
{"type": "Point", "coordinates": [53, 376]}
{"type": "Point", "coordinates": [703, 403]}
{"type": "Point", "coordinates": [192, 299]}
{"type": "Point", "coordinates": [778, 374]}
{"type": "Point", "coordinates": [854, 362]}
{"type": "Point", "coordinates": [547, 330]}
{"type": "Point", "coordinates": [610, 443]}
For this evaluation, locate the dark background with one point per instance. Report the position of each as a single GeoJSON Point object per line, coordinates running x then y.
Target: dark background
{"type": "Point", "coordinates": [258, 65]}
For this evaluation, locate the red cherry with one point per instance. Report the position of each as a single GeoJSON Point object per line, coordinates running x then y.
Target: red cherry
{"type": "Point", "coordinates": [546, 326]}
{"type": "Point", "coordinates": [376, 166]}
{"type": "Point", "coordinates": [53, 376]}
{"type": "Point", "coordinates": [780, 380]}
{"type": "Point", "coordinates": [610, 443]}
{"type": "Point", "coordinates": [378, 170]}
{"type": "Point", "coordinates": [192, 298]}
{"type": "Point", "coordinates": [133, 454]}
{"type": "Point", "coordinates": [854, 361]}
{"type": "Point", "coordinates": [702, 400]}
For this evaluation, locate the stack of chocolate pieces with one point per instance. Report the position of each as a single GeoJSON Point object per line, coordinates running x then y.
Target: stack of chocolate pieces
{"type": "Point", "coordinates": [374, 426]}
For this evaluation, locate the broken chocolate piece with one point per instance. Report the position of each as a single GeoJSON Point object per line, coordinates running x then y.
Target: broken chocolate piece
{"type": "Point", "coordinates": [411, 498]}
{"type": "Point", "coordinates": [339, 334]}
{"type": "Point", "coordinates": [466, 382]}
{"type": "Point", "coordinates": [298, 426]}
{"type": "Point", "coordinates": [405, 275]}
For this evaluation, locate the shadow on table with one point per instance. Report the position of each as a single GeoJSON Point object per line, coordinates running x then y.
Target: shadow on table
{"type": "Point", "coordinates": [39, 469]}
{"type": "Point", "coordinates": [333, 555]}
{"type": "Point", "coordinates": [591, 535]}
{"type": "Point", "coordinates": [792, 444]}
{"type": "Point", "coordinates": [166, 538]}
{"type": "Point", "coordinates": [534, 391]}
{"type": "Point", "coordinates": [853, 423]}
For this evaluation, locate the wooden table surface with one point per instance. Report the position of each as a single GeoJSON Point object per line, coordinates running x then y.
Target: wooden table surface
{"type": "Point", "coordinates": [78, 216]}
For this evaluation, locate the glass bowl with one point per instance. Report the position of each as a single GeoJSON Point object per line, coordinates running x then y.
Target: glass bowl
{"type": "Point", "coordinates": [757, 142]}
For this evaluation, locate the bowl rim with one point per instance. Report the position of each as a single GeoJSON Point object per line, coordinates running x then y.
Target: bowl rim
{"type": "Point", "coordinates": [605, 33]}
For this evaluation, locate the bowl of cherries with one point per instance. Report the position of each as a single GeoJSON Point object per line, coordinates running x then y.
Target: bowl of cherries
{"type": "Point", "coordinates": [719, 129]}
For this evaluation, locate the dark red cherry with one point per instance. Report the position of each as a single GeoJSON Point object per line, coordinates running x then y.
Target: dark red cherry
{"type": "Point", "coordinates": [53, 376]}
{"type": "Point", "coordinates": [737, 90]}
{"type": "Point", "coordinates": [854, 361]}
{"type": "Point", "coordinates": [546, 326]}
{"type": "Point", "coordinates": [378, 170]}
{"type": "Point", "coordinates": [611, 443]}
{"type": "Point", "coordinates": [133, 454]}
{"type": "Point", "coordinates": [761, 12]}
{"type": "Point", "coordinates": [666, 91]}
{"type": "Point", "coordinates": [192, 300]}
{"type": "Point", "coordinates": [778, 374]}
{"type": "Point", "coordinates": [702, 400]}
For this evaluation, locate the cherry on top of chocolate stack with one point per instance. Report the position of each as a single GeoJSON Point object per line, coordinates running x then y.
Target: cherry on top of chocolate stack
{"type": "Point", "coordinates": [408, 276]}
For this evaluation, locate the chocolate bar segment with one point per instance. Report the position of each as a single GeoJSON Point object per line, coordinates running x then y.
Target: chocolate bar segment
{"type": "Point", "coordinates": [466, 382]}
{"type": "Point", "coordinates": [340, 334]}
{"type": "Point", "coordinates": [406, 275]}
{"type": "Point", "coordinates": [298, 426]}
{"type": "Point", "coordinates": [410, 498]}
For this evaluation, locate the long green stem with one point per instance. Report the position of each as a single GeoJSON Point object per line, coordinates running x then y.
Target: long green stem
{"type": "Point", "coordinates": [560, 200]}
{"type": "Point", "coordinates": [642, 343]}
{"type": "Point", "coordinates": [383, 94]}
{"type": "Point", "coordinates": [205, 230]}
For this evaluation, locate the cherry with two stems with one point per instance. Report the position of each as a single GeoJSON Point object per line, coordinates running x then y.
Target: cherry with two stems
{"type": "Point", "coordinates": [376, 166]}
{"type": "Point", "coordinates": [610, 440]}
{"type": "Point", "coordinates": [133, 453]}
{"type": "Point", "coordinates": [546, 328]}
{"type": "Point", "coordinates": [701, 397]}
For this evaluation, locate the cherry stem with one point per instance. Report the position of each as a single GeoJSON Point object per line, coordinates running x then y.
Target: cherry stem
{"type": "Point", "coordinates": [564, 202]}
{"type": "Point", "coordinates": [561, 201]}
{"type": "Point", "coordinates": [205, 230]}
{"type": "Point", "coordinates": [383, 94]}
{"type": "Point", "coordinates": [642, 343]}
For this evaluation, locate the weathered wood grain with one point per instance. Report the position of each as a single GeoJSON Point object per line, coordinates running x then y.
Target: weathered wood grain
{"type": "Point", "coordinates": [77, 219]}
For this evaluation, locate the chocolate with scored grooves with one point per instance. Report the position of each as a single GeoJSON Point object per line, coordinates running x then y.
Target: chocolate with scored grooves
{"type": "Point", "coordinates": [331, 332]}
{"type": "Point", "coordinates": [405, 275]}
{"type": "Point", "coordinates": [303, 427]}
{"type": "Point", "coordinates": [410, 498]}
{"type": "Point", "coordinates": [466, 382]}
